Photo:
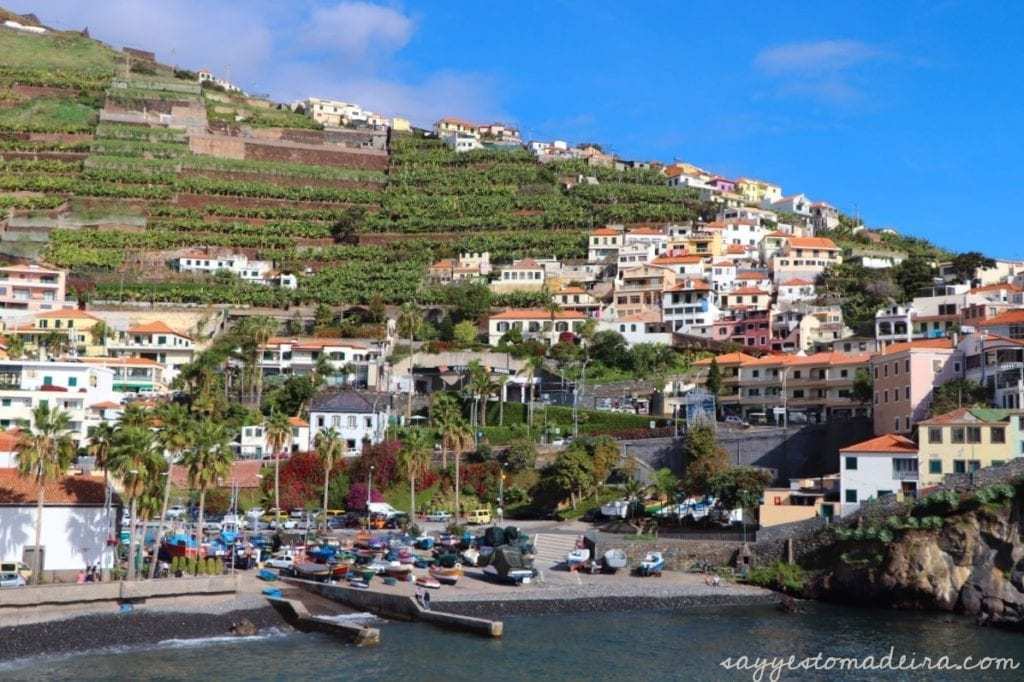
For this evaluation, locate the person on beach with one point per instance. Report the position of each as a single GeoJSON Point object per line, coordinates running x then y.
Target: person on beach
{"type": "Point", "coordinates": [80, 578]}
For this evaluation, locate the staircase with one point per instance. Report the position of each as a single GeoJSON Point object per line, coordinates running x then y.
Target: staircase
{"type": "Point", "coordinates": [551, 549]}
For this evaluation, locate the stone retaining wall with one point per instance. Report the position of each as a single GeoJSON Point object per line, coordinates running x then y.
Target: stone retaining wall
{"type": "Point", "coordinates": [38, 595]}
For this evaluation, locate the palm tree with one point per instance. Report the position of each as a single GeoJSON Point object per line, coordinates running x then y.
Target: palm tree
{"type": "Point", "coordinates": [174, 436]}
{"type": "Point", "coordinates": [135, 415]}
{"type": "Point", "coordinates": [100, 332]}
{"type": "Point", "coordinates": [44, 453]}
{"type": "Point", "coordinates": [56, 343]}
{"type": "Point", "coordinates": [137, 460]}
{"type": "Point", "coordinates": [530, 366]}
{"type": "Point", "coordinates": [499, 385]}
{"type": "Point", "coordinates": [279, 434]}
{"type": "Point", "coordinates": [480, 387]}
{"type": "Point", "coordinates": [459, 440]}
{"type": "Point", "coordinates": [100, 441]}
{"type": "Point", "coordinates": [208, 461]}
{"type": "Point", "coordinates": [257, 331]}
{"type": "Point", "coordinates": [635, 492]}
{"type": "Point", "coordinates": [15, 347]}
{"type": "Point", "coordinates": [445, 415]}
{"type": "Point", "coordinates": [414, 457]}
{"type": "Point", "coordinates": [328, 448]}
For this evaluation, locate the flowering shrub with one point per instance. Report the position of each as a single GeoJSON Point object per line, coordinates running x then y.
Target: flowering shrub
{"type": "Point", "coordinates": [356, 500]}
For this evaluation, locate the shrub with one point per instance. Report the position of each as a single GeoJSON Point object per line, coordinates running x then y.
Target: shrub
{"type": "Point", "coordinates": [942, 502]}
{"type": "Point", "coordinates": [779, 576]}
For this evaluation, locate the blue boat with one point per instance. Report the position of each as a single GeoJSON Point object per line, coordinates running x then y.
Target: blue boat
{"type": "Point", "coordinates": [425, 542]}
{"type": "Point", "coordinates": [267, 575]}
{"type": "Point", "coordinates": [322, 553]}
{"type": "Point", "coordinates": [272, 592]}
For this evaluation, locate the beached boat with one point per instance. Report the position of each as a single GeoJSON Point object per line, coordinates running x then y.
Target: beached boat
{"type": "Point", "coordinates": [398, 570]}
{"type": "Point", "coordinates": [652, 564]}
{"type": "Point", "coordinates": [339, 570]}
{"type": "Point", "coordinates": [613, 560]}
{"type": "Point", "coordinates": [510, 565]}
{"type": "Point", "coordinates": [363, 539]}
{"type": "Point", "coordinates": [178, 545]}
{"type": "Point", "coordinates": [274, 592]}
{"type": "Point", "coordinates": [377, 566]}
{"type": "Point", "coordinates": [358, 584]}
{"type": "Point", "coordinates": [446, 575]}
{"type": "Point", "coordinates": [309, 570]}
{"type": "Point", "coordinates": [471, 557]}
{"type": "Point", "coordinates": [267, 575]}
{"type": "Point", "coordinates": [448, 541]}
{"type": "Point", "coordinates": [428, 582]}
{"type": "Point", "coordinates": [577, 558]}
{"type": "Point", "coordinates": [425, 542]}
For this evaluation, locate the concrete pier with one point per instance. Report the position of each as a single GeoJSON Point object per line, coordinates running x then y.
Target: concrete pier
{"type": "Point", "coordinates": [298, 616]}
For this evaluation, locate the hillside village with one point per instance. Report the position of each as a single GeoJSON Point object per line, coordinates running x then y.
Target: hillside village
{"type": "Point", "coordinates": [169, 238]}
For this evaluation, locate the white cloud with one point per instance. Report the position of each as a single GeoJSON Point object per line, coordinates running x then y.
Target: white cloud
{"type": "Point", "coordinates": [291, 50]}
{"type": "Point", "coordinates": [358, 29]}
{"type": "Point", "coordinates": [824, 70]}
{"type": "Point", "coordinates": [815, 57]}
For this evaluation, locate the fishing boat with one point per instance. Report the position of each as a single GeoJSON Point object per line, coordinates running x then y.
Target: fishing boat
{"type": "Point", "coordinates": [406, 557]}
{"type": "Point", "coordinates": [363, 539]}
{"type": "Point", "coordinates": [358, 584]}
{"type": "Point", "coordinates": [428, 582]}
{"type": "Point", "coordinates": [267, 575]}
{"type": "Point", "coordinates": [510, 565]}
{"type": "Point", "coordinates": [322, 553]}
{"type": "Point", "coordinates": [309, 570]}
{"type": "Point", "coordinates": [228, 533]}
{"type": "Point", "coordinates": [471, 557]}
{"type": "Point", "coordinates": [425, 542]}
{"type": "Point", "coordinates": [378, 566]}
{"type": "Point", "coordinates": [652, 564]}
{"type": "Point", "coordinates": [613, 560]}
{"type": "Point", "coordinates": [398, 570]}
{"type": "Point", "coordinates": [339, 570]}
{"type": "Point", "coordinates": [179, 544]}
{"type": "Point", "coordinates": [577, 558]}
{"type": "Point", "coordinates": [446, 575]}
{"type": "Point", "coordinates": [274, 592]}
{"type": "Point", "coordinates": [448, 541]}
{"type": "Point", "coordinates": [377, 543]}
{"type": "Point", "coordinates": [424, 562]}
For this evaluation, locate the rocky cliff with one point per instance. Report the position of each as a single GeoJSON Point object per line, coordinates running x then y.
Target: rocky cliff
{"type": "Point", "coordinates": [969, 559]}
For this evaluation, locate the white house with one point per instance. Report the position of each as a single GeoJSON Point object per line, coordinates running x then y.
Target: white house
{"type": "Point", "coordinates": [604, 243]}
{"type": "Point", "coordinates": [252, 439]}
{"type": "Point", "coordinates": [794, 203]}
{"type": "Point", "coordinates": [534, 323]}
{"type": "Point", "coordinates": [75, 529]}
{"type": "Point", "coordinates": [824, 216]}
{"type": "Point", "coordinates": [461, 142]}
{"type": "Point", "coordinates": [645, 326]}
{"type": "Point", "coordinates": [353, 362]}
{"type": "Point", "coordinates": [72, 387]}
{"type": "Point", "coordinates": [742, 231]}
{"type": "Point", "coordinates": [690, 303]}
{"type": "Point", "coordinates": [797, 290]}
{"type": "Point", "coordinates": [683, 264]}
{"type": "Point", "coordinates": [155, 341]}
{"type": "Point", "coordinates": [256, 271]}
{"type": "Point", "coordinates": [358, 416]}
{"type": "Point", "coordinates": [723, 275]}
{"type": "Point", "coordinates": [885, 465]}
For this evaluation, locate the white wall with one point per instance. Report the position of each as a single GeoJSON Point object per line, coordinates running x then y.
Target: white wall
{"type": "Point", "coordinates": [73, 537]}
{"type": "Point", "coordinates": [874, 472]}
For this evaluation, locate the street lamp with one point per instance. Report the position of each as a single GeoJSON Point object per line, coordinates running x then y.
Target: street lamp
{"type": "Point", "coordinates": [501, 493]}
{"type": "Point", "coordinates": [369, 488]}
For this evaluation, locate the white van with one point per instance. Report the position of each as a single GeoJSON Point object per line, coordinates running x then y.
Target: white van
{"type": "Point", "coordinates": [382, 508]}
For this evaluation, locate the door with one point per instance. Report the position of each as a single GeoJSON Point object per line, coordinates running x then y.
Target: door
{"type": "Point", "coordinates": [28, 554]}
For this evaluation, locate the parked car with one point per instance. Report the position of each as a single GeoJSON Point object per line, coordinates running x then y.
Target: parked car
{"type": "Point", "coordinates": [11, 580]}
{"type": "Point", "coordinates": [439, 516]}
{"type": "Point", "coordinates": [282, 559]}
{"type": "Point", "coordinates": [733, 420]}
{"type": "Point", "coordinates": [19, 567]}
{"type": "Point", "coordinates": [297, 513]}
{"type": "Point", "coordinates": [176, 511]}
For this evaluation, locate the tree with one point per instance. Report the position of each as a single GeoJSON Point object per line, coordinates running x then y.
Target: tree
{"type": "Point", "coordinates": [446, 417]}
{"type": "Point", "coordinates": [481, 387]}
{"type": "Point", "coordinates": [610, 349]}
{"type": "Point", "coordinates": [413, 458]}
{"type": "Point", "coordinates": [739, 487]}
{"type": "Point", "coordinates": [665, 484]}
{"type": "Point", "coordinates": [100, 332]}
{"type": "Point", "coordinates": [472, 300]}
{"type": "Point", "coordinates": [255, 332]}
{"type": "Point", "coordinates": [521, 455]}
{"type": "Point", "coordinates": [44, 453]}
{"type": "Point", "coordinates": [323, 317]}
{"type": "Point", "coordinates": [409, 321]}
{"type": "Point", "coordinates": [208, 461]}
{"type": "Point", "coordinates": [863, 387]}
{"type": "Point", "coordinates": [703, 457]}
{"type": "Point", "coordinates": [329, 447]}
{"type": "Point", "coordinates": [912, 275]}
{"type": "Point", "coordinates": [571, 473]}
{"type": "Point", "coordinates": [635, 493]}
{"type": "Point", "coordinates": [137, 461]}
{"type": "Point", "coordinates": [958, 393]}
{"type": "Point", "coordinates": [376, 309]}
{"type": "Point", "coordinates": [465, 333]}
{"type": "Point", "coordinates": [15, 347]}
{"type": "Point", "coordinates": [279, 434]}
{"type": "Point", "coordinates": [714, 381]}
{"type": "Point", "coordinates": [966, 265]}
{"type": "Point", "coordinates": [345, 228]}
{"type": "Point", "coordinates": [649, 359]}
{"type": "Point", "coordinates": [174, 436]}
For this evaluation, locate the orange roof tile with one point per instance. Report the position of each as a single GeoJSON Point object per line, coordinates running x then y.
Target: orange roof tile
{"type": "Point", "coordinates": [920, 344]}
{"type": "Point", "coordinates": [157, 327]}
{"type": "Point", "coordinates": [297, 421]}
{"type": "Point", "coordinates": [605, 232]}
{"type": "Point", "coordinates": [750, 291]}
{"type": "Point", "coordinates": [67, 491]}
{"type": "Point", "coordinates": [1009, 317]}
{"type": "Point", "coordinates": [313, 342]}
{"type": "Point", "coordinates": [686, 259]}
{"type": "Point", "coordinates": [128, 362]}
{"type": "Point", "coordinates": [537, 314]}
{"type": "Point", "coordinates": [813, 243]}
{"type": "Point", "coordinates": [1004, 286]}
{"type": "Point", "coordinates": [727, 359]}
{"type": "Point", "coordinates": [67, 314]}
{"type": "Point", "coordinates": [888, 442]}
{"type": "Point", "coordinates": [752, 275]}
{"type": "Point", "coordinates": [690, 285]}
{"type": "Point", "coordinates": [106, 405]}
{"type": "Point", "coordinates": [797, 282]}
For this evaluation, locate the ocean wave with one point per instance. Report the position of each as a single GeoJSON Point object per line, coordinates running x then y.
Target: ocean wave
{"type": "Point", "coordinates": [349, 617]}
{"type": "Point", "coordinates": [267, 633]}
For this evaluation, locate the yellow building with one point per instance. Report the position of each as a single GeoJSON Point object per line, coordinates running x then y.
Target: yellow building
{"type": "Point", "coordinates": [74, 324]}
{"type": "Point", "coordinates": [805, 498]}
{"type": "Point", "coordinates": [756, 191]}
{"type": "Point", "coordinates": [966, 440]}
{"type": "Point", "coordinates": [400, 124]}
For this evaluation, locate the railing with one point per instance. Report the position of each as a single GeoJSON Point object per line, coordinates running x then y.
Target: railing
{"type": "Point", "coordinates": [900, 475]}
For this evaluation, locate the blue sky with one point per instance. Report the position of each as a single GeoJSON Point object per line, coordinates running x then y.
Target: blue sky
{"type": "Point", "coordinates": [910, 114]}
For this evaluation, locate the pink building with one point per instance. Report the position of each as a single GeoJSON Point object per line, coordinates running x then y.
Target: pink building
{"type": "Point", "coordinates": [905, 375]}
{"type": "Point", "coordinates": [31, 287]}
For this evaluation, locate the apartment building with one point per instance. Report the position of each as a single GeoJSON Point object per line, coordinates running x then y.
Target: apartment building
{"type": "Point", "coordinates": [31, 288]}
{"type": "Point", "coordinates": [805, 258]}
{"type": "Point", "coordinates": [534, 323]}
{"type": "Point", "coordinates": [640, 289]}
{"type": "Point", "coordinates": [252, 440]}
{"type": "Point", "coordinates": [154, 341]}
{"type": "Point", "coordinates": [604, 243]}
{"type": "Point", "coordinates": [966, 440]}
{"type": "Point", "coordinates": [133, 375]}
{"type": "Point", "coordinates": [69, 386]}
{"type": "Point", "coordinates": [354, 362]}
{"type": "Point", "coordinates": [905, 375]}
{"type": "Point", "coordinates": [526, 274]}
{"type": "Point", "coordinates": [71, 326]}
{"type": "Point", "coordinates": [883, 465]}
{"type": "Point", "coordinates": [687, 304]}
{"type": "Point", "coordinates": [996, 362]}
{"type": "Point", "coordinates": [471, 266]}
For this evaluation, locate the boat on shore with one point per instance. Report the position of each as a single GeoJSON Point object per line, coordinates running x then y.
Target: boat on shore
{"type": "Point", "coordinates": [613, 560]}
{"type": "Point", "coordinates": [653, 563]}
{"type": "Point", "coordinates": [429, 582]}
{"type": "Point", "coordinates": [577, 558]}
{"type": "Point", "coordinates": [446, 575]}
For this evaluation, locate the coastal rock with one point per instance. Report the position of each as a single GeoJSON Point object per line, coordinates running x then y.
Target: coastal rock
{"type": "Point", "coordinates": [243, 628]}
{"type": "Point", "coordinates": [973, 564]}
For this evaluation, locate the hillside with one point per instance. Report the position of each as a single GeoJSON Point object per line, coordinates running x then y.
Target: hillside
{"type": "Point", "coordinates": [112, 165]}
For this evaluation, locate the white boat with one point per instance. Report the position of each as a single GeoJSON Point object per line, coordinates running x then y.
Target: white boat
{"type": "Point", "coordinates": [614, 559]}
{"type": "Point", "coordinates": [618, 509]}
{"type": "Point", "coordinates": [652, 564]}
{"type": "Point", "coordinates": [577, 558]}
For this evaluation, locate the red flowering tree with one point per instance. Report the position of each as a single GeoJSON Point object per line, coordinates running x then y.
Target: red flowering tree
{"type": "Point", "coordinates": [383, 457]}
{"type": "Point", "coordinates": [302, 480]}
{"type": "Point", "coordinates": [356, 500]}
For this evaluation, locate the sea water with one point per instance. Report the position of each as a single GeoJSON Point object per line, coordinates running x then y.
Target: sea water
{"type": "Point", "coordinates": [629, 645]}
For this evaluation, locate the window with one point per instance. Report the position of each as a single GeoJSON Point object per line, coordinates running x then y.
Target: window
{"type": "Point", "coordinates": [336, 421]}
{"type": "Point", "coordinates": [47, 381]}
{"type": "Point", "coordinates": [959, 466]}
{"type": "Point", "coordinates": [935, 466]}
{"type": "Point", "coordinates": [368, 421]}
{"type": "Point", "coordinates": [72, 382]}
{"type": "Point", "coordinates": [906, 366]}
{"type": "Point", "coordinates": [973, 434]}
{"type": "Point", "coordinates": [998, 462]}
{"type": "Point", "coordinates": [851, 496]}
{"type": "Point", "coordinates": [998, 434]}
{"type": "Point", "coordinates": [851, 463]}
{"type": "Point", "coordinates": [906, 392]}
{"type": "Point", "coordinates": [957, 434]}
{"type": "Point", "coordinates": [351, 422]}
{"type": "Point", "coordinates": [973, 464]}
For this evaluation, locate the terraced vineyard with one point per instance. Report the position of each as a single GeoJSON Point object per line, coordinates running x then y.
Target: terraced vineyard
{"type": "Point", "coordinates": [97, 175]}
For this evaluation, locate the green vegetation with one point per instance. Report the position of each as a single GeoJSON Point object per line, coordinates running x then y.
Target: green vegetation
{"type": "Point", "coordinates": [49, 115]}
{"type": "Point", "coordinates": [55, 59]}
{"type": "Point", "coordinates": [779, 576]}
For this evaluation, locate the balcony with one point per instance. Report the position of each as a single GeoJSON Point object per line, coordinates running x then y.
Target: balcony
{"type": "Point", "coordinates": [902, 475]}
